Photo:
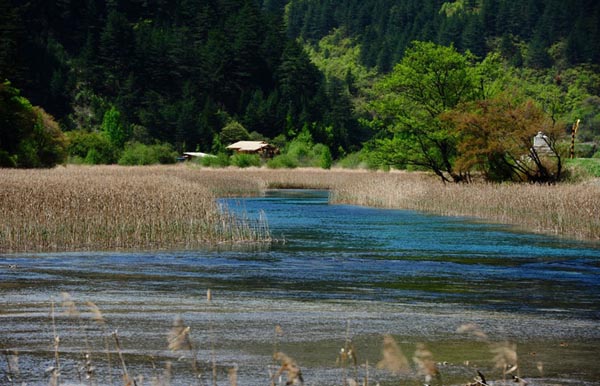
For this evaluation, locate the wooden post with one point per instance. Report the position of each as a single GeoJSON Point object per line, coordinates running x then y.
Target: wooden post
{"type": "Point", "coordinates": [573, 132]}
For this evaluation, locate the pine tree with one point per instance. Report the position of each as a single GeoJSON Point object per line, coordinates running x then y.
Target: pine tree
{"type": "Point", "coordinates": [116, 47]}
{"type": "Point", "coordinates": [12, 36]}
{"type": "Point", "coordinates": [473, 36]}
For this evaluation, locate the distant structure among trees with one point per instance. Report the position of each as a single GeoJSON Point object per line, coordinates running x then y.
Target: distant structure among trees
{"type": "Point", "coordinates": [261, 148]}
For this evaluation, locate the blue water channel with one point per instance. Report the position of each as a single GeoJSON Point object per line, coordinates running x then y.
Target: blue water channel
{"type": "Point", "coordinates": [334, 272]}
{"type": "Point", "coordinates": [342, 251]}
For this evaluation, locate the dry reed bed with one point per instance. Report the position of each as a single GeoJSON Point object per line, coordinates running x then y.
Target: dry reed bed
{"type": "Point", "coordinates": [107, 208]}
{"type": "Point", "coordinates": [571, 210]}
{"type": "Point", "coordinates": [112, 207]}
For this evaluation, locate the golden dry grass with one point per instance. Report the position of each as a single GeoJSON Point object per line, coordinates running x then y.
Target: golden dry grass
{"type": "Point", "coordinates": [571, 210]}
{"type": "Point", "coordinates": [172, 207]}
{"type": "Point", "coordinates": [108, 208]}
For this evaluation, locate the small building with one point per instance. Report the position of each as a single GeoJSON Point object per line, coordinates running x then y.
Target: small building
{"type": "Point", "coordinates": [541, 144]}
{"type": "Point", "coordinates": [261, 148]}
{"type": "Point", "coordinates": [193, 154]}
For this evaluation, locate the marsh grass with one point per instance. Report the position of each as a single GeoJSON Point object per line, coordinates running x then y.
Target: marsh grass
{"type": "Point", "coordinates": [571, 210]}
{"type": "Point", "coordinates": [175, 207]}
{"type": "Point", "coordinates": [116, 208]}
{"type": "Point", "coordinates": [568, 209]}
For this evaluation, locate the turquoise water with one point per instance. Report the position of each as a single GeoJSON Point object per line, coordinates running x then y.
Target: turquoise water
{"type": "Point", "coordinates": [336, 272]}
{"type": "Point", "coordinates": [407, 256]}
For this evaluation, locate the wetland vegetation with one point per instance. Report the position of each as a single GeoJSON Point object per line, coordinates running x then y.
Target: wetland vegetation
{"type": "Point", "coordinates": [174, 207]}
{"type": "Point", "coordinates": [366, 280]}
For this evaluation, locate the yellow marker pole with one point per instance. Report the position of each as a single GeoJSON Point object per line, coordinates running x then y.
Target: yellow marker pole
{"type": "Point", "coordinates": [573, 132]}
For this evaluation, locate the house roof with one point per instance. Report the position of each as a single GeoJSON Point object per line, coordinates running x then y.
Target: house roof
{"type": "Point", "coordinates": [248, 145]}
{"type": "Point", "coordinates": [197, 154]}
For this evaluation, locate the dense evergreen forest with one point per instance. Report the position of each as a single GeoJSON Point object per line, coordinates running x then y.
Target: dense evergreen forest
{"type": "Point", "coordinates": [177, 73]}
{"type": "Point", "coordinates": [527, 33]}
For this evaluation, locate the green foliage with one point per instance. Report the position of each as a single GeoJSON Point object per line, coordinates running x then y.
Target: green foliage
{"type": "Point", "coordinates": [429, 81]}
{"type": "Point", "coordinates": [114, 128]}
{"type": "Point", "coordinates": [245, 160]}
{"type": "Point", "coordinates": [139, 154]}
{"type": "Point", "coordinates": [221, 160]}
{"type": "Point", "coordinates": [29, 137]}
{"type": "Point", "coordinates": [181, 70]}
{"type": "Point", "coordinates": [585, 150]}
{"type": "Point", "coordinates": [6, 160]}
{"type": "Point", "coordinates": [324, 154]}
{"type": "Point", "coordinates": [233, 132]}
{"type": "Point", "coordinates": [48, 141]}
{"type": "Point", "coordinates": [386, 28]}
{"type": "Point", "coordinates": [582, 168]}
{"type": "Point", "coordinates": [338, 56]}
{"type": "Point", "coordinates": [299, 86]}
{"type": "Point", "coordinates": [282, 161]}
{"type": "Point", "coordinates": [351, 161]}
{"type": "Point", "coordinates": [91, 147]}
{"type": "Point", "coordinates": [496, 138]}
{"type": "Point", "coordinates": [88, 109]}
{"type": "Point", "coordinates": [302, 151]}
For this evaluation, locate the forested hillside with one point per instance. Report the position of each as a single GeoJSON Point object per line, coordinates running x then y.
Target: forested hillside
{"type": "Point", "coordinates": [534, 33]}
{"type": "Point", "coordinates": [119, 72]}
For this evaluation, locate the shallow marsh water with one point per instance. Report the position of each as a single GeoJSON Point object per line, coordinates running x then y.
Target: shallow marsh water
{"type": "Point", "coordinates": [336, 272]}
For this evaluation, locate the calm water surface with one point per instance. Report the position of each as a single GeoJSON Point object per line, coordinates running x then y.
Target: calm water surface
{"type": "Point", "coordinates": [337, 272]}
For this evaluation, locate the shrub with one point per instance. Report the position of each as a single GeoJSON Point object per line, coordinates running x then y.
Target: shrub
{"type": "Point", "coordinates": [245, 160]}
{"type": "Point", "coordinates": [583, 168]}
{"type": "Point", "coordinates": [29, 136]}
{"type": "Point", "coordinates": [585, 150]}
{"type": "Point", "coordinates": [6, 160]}
{"type": "Point", "coordinates": [300, 151]}
{"type": "Point", "coordinates": [136, 153]}
{"type": "Point", "coordinates": [92, 148]}
{"type": "Point", "coordinates": [322, 156]}
{"type": "Point", "coordinates": [233, 132]}
{"type": "Point", "coordinates": [220, 161]}
{"type": "Point", "coordinates": [117, 132]}
{"type": "Point", "coordinates": [282, 161]}
{"type": "Point", "coordinates": [303, 152]}
{"type": "Point", "coordinates": [351, 161]}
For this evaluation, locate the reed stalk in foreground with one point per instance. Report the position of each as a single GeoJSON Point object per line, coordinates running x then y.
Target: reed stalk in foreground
{"type": "Point", "coordinates": [127, 380]}
{"type": "Point", "coordinates": [12, 365]}
{"type": "Point", "coordinates": [502, 363]}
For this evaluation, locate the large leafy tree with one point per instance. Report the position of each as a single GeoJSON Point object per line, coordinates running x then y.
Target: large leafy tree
{"type": "Point", "coordinates": [429, 81]}
{"type": "Point", "coordinates": [497, 139]}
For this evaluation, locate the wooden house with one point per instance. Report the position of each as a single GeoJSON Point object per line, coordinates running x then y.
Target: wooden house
{"type": "Point", "coordinates": [261, 148]}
